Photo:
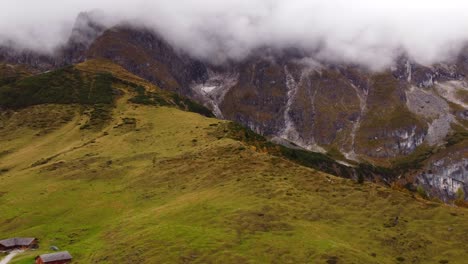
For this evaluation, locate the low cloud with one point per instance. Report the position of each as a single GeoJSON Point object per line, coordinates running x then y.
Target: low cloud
{"type": "Point", "coordinates": [366, 32]}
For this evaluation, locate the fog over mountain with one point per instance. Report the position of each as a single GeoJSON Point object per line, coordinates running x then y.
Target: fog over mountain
{"type": "Point", "coordinates": [367, 32]}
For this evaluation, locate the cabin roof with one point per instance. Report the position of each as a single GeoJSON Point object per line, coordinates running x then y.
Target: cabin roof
{"type": "Point", "coordinates": [17, 241]}
{"type": "Point", "coordinates": [64, 255]}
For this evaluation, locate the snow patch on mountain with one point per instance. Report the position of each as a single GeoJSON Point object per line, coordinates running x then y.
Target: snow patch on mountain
{"type": "Point", "coordinates": [213, 90]}
{"type": "Point", "coordinates": [208, 89]}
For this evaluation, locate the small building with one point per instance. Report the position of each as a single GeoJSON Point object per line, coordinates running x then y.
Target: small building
{"type": "Point", "coordinates": [18, 243]}
{"type": "Point", "coordinates": [54, 258]}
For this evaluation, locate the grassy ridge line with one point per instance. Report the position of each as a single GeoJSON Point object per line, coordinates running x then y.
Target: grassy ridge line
{"type": "Point", "coordinates": [90, 83]}
{"type": "Point", "coordinates": [398, 176]}
{"type": "Point", "coordinates": [306, 158]}
{"type": "Point", "coordinates": [146, 93]}
{"type": "Point", "coordinates": [64, 86]}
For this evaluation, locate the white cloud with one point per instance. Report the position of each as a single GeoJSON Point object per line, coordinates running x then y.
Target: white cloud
{"type": "Point", "coordinates": [369, 32]}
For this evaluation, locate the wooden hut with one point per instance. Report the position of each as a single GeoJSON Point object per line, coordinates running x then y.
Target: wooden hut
{"type": "Point", "coordinates": [54, 258]}
{"type": "Point", "coordinates": [18, 243]}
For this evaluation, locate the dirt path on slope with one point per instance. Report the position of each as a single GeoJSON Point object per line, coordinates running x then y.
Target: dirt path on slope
{"type": "Point", "coordinates": [10, 256]}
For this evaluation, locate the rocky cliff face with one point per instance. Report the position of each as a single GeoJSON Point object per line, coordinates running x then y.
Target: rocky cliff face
{"type": "Point", "coordinates": [366, 116]}
{"type": "Point", "coordinates": [446, 177]}
{"type": "Point", "coordinates": [363, 115]}
{"type": "Point", "coordinates": [144, 53]}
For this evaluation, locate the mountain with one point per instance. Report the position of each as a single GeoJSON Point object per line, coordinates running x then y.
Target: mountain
{"type": "Point", "coordinates": [411, 119]}
{"type": "Point", "coordinates": [102, 163]}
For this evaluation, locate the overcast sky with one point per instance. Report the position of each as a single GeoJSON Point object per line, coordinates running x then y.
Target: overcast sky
{"type": "Point", "coordinates": [369, 32]}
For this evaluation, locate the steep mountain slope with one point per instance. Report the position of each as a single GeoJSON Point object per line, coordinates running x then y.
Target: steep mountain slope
{"type": "Point", "coordinates": [150, 183]}
{"type": "Point", "coordinates": [371, 117]}
{"type": "Point", "coordinates": [354, 115]}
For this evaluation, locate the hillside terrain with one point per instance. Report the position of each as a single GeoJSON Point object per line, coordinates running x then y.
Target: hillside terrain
{"type": "Point", "coordinates": [411, 118]}
{"type": "Point", "coordinates": [110, 167]}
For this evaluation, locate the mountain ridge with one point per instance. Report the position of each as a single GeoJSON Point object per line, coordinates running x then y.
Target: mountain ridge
{"type": "Point", "coordinates": [155, 183]}
{"type": "Point", "coordinates": [343, 109]}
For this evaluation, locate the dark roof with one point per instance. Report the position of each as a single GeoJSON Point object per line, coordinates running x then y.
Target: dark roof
{"type": "Point", "coordinates": [64, 255]}
{"type": "Point", "coordinates": [17, 241]}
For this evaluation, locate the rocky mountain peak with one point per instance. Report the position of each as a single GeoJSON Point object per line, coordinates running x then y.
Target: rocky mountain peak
{"type": "Point", "coordinates": [86, 29]}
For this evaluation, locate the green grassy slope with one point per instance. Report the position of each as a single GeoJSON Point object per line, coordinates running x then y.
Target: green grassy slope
{"type": "Point", "coordinates": [155, 184]}
{"type": "Point", "coordinates": [11, 73]}
{"type": "Point", "coordinates": [96, 82]}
